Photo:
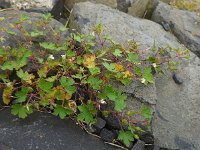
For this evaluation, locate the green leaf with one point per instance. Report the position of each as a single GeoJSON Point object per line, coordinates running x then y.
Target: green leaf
{"type": "Point", "coordinates": [48, 16]}
{"type": "Point", "coordinates": [11, 33]}
{"type": "Point", "coordinates": [77, 37]}
{"type": "Point", "coordinates": [148, 75]}
{"type": "Point", "coordinates": [137, 71]}
{"type": "Point", "coordinates": [24, 17]}
{"type": "Point", "coordinates": [8, 65]}
{"type": "Point", "coordinates": [78, 76]}
{"type": "Point", "coordinates": [63, 29]}
{"type": "Point", "coordinates": [51, 79]}
{"type": "Point", "coordinates": [110, 67]}
{"type": "Point", "coordinates": [68, 83]}
{"type": "Point", "coordinates": [110, 93]}
{"type": "Point", "coordinates": [126, 137]}
{"type": "Point", "coordinates": [95, 82]}
{"type": "Point", "coordinates": [2, 52]}
{"type": "Point", "coordinates": [46, 45]}
{"type": "Point", "coordinates": [71, 53]}
{"type": "Point", "coordinates": [25, 75]}
{"type": "Point", "coordinates": [44, 102]}
{"type": "Point", "coordinates": [120, 101]}
{"type": "Point", "coordinates": [42, 72]}
{"type": "Point", "coordinates": [117, 53]}
{"type": "Point", "coordinates": [146, 112]}
{"type": "Point", "coordinates": [134, 58]}
{"type": "Point", "coordinates": [87, 113]}
{"type": "Point", "coordinates": [20, 110]}
{"type": "Point", "coordinates": [45, 85]}
{"type": "Point", "coordinates": [37, 33]}
{"type": "Point", "coordinates": [22, 94]}
{"type": "Point", "coordinates": [95, 70]}
{"type": "Point", "coordinates": [62, 112]}
{"type": "Point", "coordinates": [26, 53]}
{"type": "Point", "coordinates": [116, 96]}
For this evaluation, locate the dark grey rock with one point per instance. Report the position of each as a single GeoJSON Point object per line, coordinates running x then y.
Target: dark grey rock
{"type": "Point", "coordinates": [147, 137]}
{"type": "Point", "coordinates": [166, 26]}
{"type": "Point", "coordinates": [123, 5]}
{"type": "Point", "coordinates": [130, 145]}
{"type": "Point", "coordinates": [179, 107]}
{"type": "Point", "coordinates": [185, 26]}
{"type": "Point", "coordinates": [42, 10]}
{"type": "Point", "coordinates": [107, 135]}
{"type": "Point", "coordinates": [100, 124]}
{"type": "Point", "coordinates": [58, 10]}
{"type": "Point", "coordinates": [4, 4]}
{"type": "Point", "coordinates": [26, 4]}
{"type": "Point", "coordinates": [151, 147]}
{"type": "Point", "coordinates": [1, 94]}
{"type": "Point", "coordinates": [183, 144]}
{"type": "Point", "coordinates": [177, 79]}
{"type": "Point", "coordinates": [42, 131]}
{"type": "Point", "coordinates": [112, 122]}
{"type": "Point", "coordinates": [139, 145]}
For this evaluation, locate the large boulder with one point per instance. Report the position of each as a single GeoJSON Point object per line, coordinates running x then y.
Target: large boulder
{"type": "Point", "coordinates": [176, 113]}
{"type": "Point", "coordinates": [183, 24]}
{"type": "Point", "coordinates": [4, 4]}
{"type": "Point", "coordinates": [13, 37]}
{"type": "Point", "coordinates": [111, 3]}
{"type": "Point", "coordinates": [42, 131]}
{"type": "Point", "coordinates": [26, 4]}
{"type": "Point", "coordinates": [138, 8]}
{"type": "Point", "coordinates": [177, 118]}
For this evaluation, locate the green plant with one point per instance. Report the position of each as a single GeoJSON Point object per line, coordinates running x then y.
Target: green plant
{"type": "Point", "coordinates": [74, 77]}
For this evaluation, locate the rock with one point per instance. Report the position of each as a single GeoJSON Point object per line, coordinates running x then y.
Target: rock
{"type": "Point", "coordinates": [139, 145]}
{"type": "Point", "coordinates": [135, 104]}
{"type": "Point", "coordinates": [179, 107]}
{"type": "Point", "coordinates": [4, 4]}
{"type": "Point", "coordinates": [177, 79]}
{"type": "Point", "coordinates": [128, 147]}
{"type": "Point", "coordinates": [107, 135]}
{"type": "Point", "coordinates": [1, 94]}
{"type": "Point", "coordinates": [147, 137]}
{"type": "Point", "coordinates": [12, 16]}
{"type": "Point", "coordinates": [42, 10]}
{"type": "Point", "coordinates": [58, 10]}
{"type": "Point", "coordinates": [113, 122]}
{"type": "Point", "coordinates": [70, 3]}
{"type": "Point", "coordinates": [123, 5]}
{"type": "Point", "coordinates": [100, 124]}
{"type": "Point", "coordinates": [184, 23]}
{"type": "Point", "coordinates": [176, 120]}
{"type": "Point", "coordinates": [166, 26]}
{"type": "Point", "coordinates": [166, 1]}
{"type": "Point", "coordinates": [44, 131]}
{"type": "Point", "coordinates": [26, 4]}
{"type": "Point", "coordinates": [152, 147]}
{"type": "Point", "coordinates": [122, 27]}
{"type": "Point", "coordinates": [139, 7]}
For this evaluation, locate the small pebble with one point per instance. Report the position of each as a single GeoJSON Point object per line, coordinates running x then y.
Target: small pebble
{"type": "Point", "coordinates": [139, 145]}
{"type": "Point", "coordinates": [177, 79]}
{"type": "Point", "coordinates": [107, 135]}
